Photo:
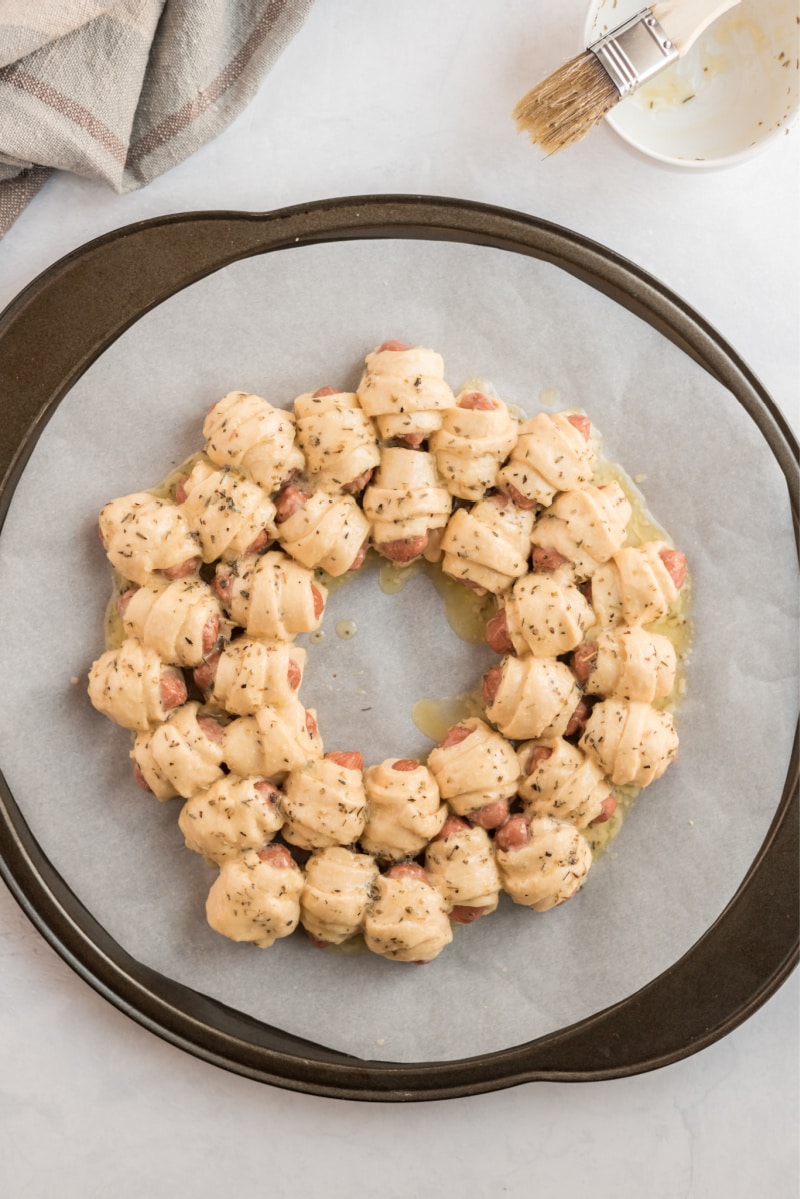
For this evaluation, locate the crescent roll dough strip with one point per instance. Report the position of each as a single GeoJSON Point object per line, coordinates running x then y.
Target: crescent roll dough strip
{"type": "Point", "coordinates": [271, 596]}
{"type": "Point", "coordinates": [631, 741]}
{"type": "Point", "coordinates": [233, 815]}
{"type": "Point", "coordinates": [546, 615]}
{"type": "Point", "coordinates": [585, 526]}
{"type": "Point", "coordinates": [462, 867]}
{"type": "Point", "coordinates": [632, 663]}
{"type": "Point", "coordinates": [407, 920]}
{"type": "Point", "coordinates": [144, 535]}
{"type": "Point", "coordinates": [174, 620]}
{"type": "Point", "coordinates": [272, 742]}
{"type": "Point", "coordinates": [336, 893]}
{"type": "Point", "coordinates": [475, 772]}
{"type": "Point", "coordinates": [549, 868]}
{"type": "Point", "coordinates": [404, 810]}
{"type": "Point", "coordinates": [337, 438]}
{"type": "Point", "coordinates": [634, 587]}
{"type": "Point", "coordinates": [535, 697]}
{"type": "Point", "coordinates": [564, 782]}
{"type": "Point", "coordinates": [404, 391]}
{"type": "Point", "coordinates": [250, 674]}
{"type": "Point", "coordinates": [256, 900]}
{"type": "Point", "coordinates": [324, 804]}
{"type": "Point", "coordinates": [472, 444]}
{"type": "Point", "coordinates": [227, 511]}
{"type": "Point", "coordinates": [327, 531]}
{"type": "Point", "coordinates": [247, 432]}
{"type": "Point", "coordinates": [488, 544]}
{"type": "Point", "coordinates": [178, 757]}
{"type": "Point", "coordinates": [551, 455]}
{"type": "Point", "coordinates": [125, 684]}
{"type": "Point", "coordinates": [406, 498]}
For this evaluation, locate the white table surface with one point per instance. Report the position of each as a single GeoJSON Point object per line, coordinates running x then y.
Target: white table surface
{"type": "Point", "coordinates": [415, 98]}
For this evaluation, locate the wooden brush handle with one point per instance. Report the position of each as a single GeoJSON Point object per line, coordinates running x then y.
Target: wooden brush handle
{"type": "Point", "coordinates": [684, 20]}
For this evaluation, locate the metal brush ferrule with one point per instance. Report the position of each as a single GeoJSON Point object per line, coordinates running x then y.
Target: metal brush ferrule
{"type": "Point", "coordinates": [635, 51]}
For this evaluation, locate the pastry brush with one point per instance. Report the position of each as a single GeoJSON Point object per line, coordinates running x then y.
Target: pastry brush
{"type": "Point", "coordinates": [567, 105]}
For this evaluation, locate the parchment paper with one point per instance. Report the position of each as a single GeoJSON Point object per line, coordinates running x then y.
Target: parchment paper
{"type": "Point", "coordinates": [295, 321]}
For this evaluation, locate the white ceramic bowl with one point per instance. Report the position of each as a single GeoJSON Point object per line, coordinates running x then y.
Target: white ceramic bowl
{"type": "Point", "coordinates": [733, 93]}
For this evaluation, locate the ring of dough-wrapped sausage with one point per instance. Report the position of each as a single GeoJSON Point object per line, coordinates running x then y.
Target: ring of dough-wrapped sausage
{"type": "Point", "coordinates": [634, 586]}
{"type": "Point", "coordinates": [535, 697]}
{"type": "Point", "coordinates": [336, 893]}
{"type": "Point", "coordinates": [180, 621]}
{"type": "Point", "coordinates": [404, 810]}
{"type": "Point", "coordinates": [549, 868]}
{"type": "Point", "coordinates": [145, 536]}
{"type": "Point", "coordinates": [472, 443]}
{"type": "Point", "coordinates": [551, 455]}
{"type": "Point", "coordinates": [324, 803]}
{"type": "Point", "coordinates": [488, 545]}
{"type": "Point", "coordinates": [546, 615]}
{"type": "Point", "coordinates": [247, 432]}
{"type": "Point", "coordinates": [477, 771]}
{"type": "Point", "coordinates": [631, 663]}
{"type": "Point", "coordinates": [129, 684]}
{"type": "Point", "coordinates": [560, 780]}
{"type": "Point", "coordinates": [586, 526]}
{"type": "Point", "coordinates": [327, 531]}
{"type": "Point", "coordinates": [232, 815]}
{"type": "Point", "coordinates": [405, 499]}
{"type": "Point", "coordinates": [251, 674]}
{"type": "Point", "coordinates": [632, 742]}
{"type": "Point", "coordinates": [404, 391]}
{"type": "Point", "coordinates": [461, 865]}
{"type": "Point", "coordinates": [337, 438]}
{"type": "Point", "coordinates": [273, 741]}
{"type": "Point", "coordinates": [229, 513]}
{"type": "Point", "coordinates": [256, 897]}
{"type": "Point", "coordinates": [271, 596]}
{"type": "Point", "coordinates": [407, 919]}
{"type": "Point", "coordinates": [179, 756]}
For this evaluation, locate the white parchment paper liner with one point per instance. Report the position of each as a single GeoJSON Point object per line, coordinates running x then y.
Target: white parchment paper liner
{"type": "Point", "coordinates": [292, 322]}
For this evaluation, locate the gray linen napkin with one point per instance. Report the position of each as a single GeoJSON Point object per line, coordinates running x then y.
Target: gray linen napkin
{"type": "Point", "coordinates": [122, 90]}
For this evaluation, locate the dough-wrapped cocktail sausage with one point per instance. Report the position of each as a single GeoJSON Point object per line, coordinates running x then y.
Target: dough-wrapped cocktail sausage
{"type": "Point", "coordinates": [247, 432]}
{"type": "Point", "coordinates": [632, 742]}
{"type": "Point", "coordinates": [181, 756]}
{"type": "Point", "coordinates": [271, 595]}
{"type": "Point", "coordinates": [147, 538]}
{"type": "Point", "coordinates": [404, 809]}
{"type": "Point", "coordinates": [584, 526]}
{"type": "Point", "coordinates": [404, 391]}
{"type": "Point", "coordinates": [404, 502]}
{"type": "Point", "coordinates": [273, 741]}
{"type": "Point", "coordinates": [476, 437]}
{"type": "Point", "coordinates": [179, 620]}
{"type": "Point", "coordinates": [542, 861]}
{"type": "Point", "coordinates": [627, 663]}
{"type": "Point", "coordinates": [553, 453]}
{"type": "Point", "coordinates": [461, 865]}
{"type": "Point", "coordinates": [132, 686]}
{"type": "Point", "coordinates": [256, 897]}
{"type": "Point", "coordinates": [249, 673]}
{"type": "Point", "coordinates": [560, 780]}
{"type": "Point", "coordinates": [324, 804]}
{"type": "Point", "coordinates": [230, 515]}
{"type": "Point", "coordinates": [638, 584]}
{"type": "Point", "coordinates": [233, 815]}
{"type": "Point", "coordinates": [337, 438]}
{"type": "Point", "coordinates": [476, 771]}
{"type": "Point", "coordinates": [407, 919]}
{"type": "Point", "coordinates": [487, 546]}
{"type": "Point", "coordinates": [336, 893]}
{"type": "Point", "coordinates": [544, 615]}
{"type": "Point", "coordinates": [327, 531]}
{"type": "Point", "coordinates": [531, 697]}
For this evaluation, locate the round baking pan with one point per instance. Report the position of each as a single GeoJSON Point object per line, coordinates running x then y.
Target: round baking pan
{"type": "Point", "coordinates": [55, 329]}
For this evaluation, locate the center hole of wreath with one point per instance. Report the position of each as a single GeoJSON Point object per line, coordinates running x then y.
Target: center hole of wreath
{"type": "Point", "coordinates": [392, 652]}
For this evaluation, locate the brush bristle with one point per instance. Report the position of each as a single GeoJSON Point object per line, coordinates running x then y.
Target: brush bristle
{"type": "Point", "coordinates": [568, 104]}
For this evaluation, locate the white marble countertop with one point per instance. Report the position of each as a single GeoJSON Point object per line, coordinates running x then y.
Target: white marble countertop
{"type": "Point", "coordinates": [415, 98]}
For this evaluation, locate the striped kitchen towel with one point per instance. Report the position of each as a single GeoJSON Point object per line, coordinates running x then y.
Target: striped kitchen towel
{"type": "Point", "coordinates": [122, 90]}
